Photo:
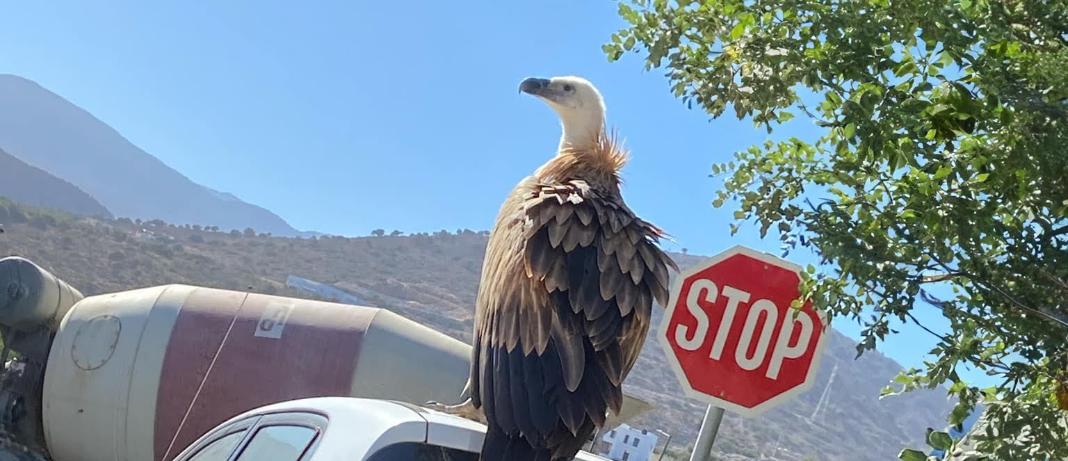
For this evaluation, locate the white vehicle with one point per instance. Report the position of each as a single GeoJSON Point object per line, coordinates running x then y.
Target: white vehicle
{"type": "Point", "coordinates": [343, 429]}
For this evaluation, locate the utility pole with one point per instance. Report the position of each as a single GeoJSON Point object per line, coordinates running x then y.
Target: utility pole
{"type": "Point", "coordinates": [822, 403]}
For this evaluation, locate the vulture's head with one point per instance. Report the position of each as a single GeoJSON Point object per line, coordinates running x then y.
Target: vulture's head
{"type": "Point", "coordinates": [576, 101]}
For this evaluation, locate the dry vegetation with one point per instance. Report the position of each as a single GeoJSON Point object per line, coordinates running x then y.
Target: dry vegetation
{"type": "Point", "coordinates": [433, 279]}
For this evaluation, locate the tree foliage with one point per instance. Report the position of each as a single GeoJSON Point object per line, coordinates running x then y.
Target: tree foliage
{"type": "Point", "coordinates": [940, 176]}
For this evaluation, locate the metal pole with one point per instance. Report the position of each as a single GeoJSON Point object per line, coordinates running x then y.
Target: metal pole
{"type": "Point", "coordinates": [666, 443]}
{"type": "Point", "coordinates": [593, 441]}
{"type": "Point", "coordinates": [702, 450]}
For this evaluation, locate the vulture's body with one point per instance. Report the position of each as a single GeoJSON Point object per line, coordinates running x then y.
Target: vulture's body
{"type": "Point", "coordinates": [567, 286]}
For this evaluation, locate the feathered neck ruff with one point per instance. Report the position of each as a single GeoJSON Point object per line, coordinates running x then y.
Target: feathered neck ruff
{"type": "Point", "coordinates": [598, 163]}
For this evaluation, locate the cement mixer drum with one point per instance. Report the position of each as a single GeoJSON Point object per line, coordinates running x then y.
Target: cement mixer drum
{"type": "Point", "coordinates": [141, 374]}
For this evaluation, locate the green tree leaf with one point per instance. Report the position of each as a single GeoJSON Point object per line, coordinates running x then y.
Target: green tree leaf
{"type": "Point", "coordinates": [912, 455]}
{"type": "Point", "coordinates": [943, 171]}
{"type": "Point", "coordinates": [939, 440]}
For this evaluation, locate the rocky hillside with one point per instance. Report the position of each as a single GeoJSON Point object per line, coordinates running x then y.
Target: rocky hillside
{"type": "Point", "coordinates": [433, 279]}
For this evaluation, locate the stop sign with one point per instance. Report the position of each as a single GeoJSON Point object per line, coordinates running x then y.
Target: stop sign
{"type": "Point", "coordinates": [732, 337]}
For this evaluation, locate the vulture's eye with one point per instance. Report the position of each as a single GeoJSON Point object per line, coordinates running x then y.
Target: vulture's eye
{"type": "Point", "coordinates": [568, 88]}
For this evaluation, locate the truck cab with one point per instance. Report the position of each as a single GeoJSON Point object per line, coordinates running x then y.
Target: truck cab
{"type": "Point", "coordinates": [343, 428]}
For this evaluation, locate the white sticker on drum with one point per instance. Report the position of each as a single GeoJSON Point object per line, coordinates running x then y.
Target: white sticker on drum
{"type": "Point", "coordinates": [273, 320]}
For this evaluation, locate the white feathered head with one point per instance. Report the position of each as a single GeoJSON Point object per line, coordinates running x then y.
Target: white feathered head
{"type": "Point", "coordinates": [576, 101]}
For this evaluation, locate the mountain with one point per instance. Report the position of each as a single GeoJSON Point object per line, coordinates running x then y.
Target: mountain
{"type": "Point", "coordinates": [50, 133]}
{"type": "Point", "coordinates": [433, 279]}
{"type": "Point", "coordinates": [33, 186]}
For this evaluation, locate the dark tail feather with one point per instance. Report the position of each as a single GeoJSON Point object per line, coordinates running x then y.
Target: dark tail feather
{"type": "Point", "coordinates": [500, 447]}
{"type": "Point", "coordinates": [567, 445]}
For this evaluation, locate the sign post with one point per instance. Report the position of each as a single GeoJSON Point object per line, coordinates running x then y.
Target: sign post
{"type": "Point", "coordinates": [702, 449]}
{"type": "Point", "coordinates": [733, 339]}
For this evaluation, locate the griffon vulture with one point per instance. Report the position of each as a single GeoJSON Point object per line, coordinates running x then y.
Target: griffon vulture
{"type": "Point", "coordinates": [568, 282]}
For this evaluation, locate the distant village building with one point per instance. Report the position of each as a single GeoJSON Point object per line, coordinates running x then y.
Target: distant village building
{"type": "Point", "coordinates": [330, 293]}
{"type": "Point", "coordinates": [629, 444]}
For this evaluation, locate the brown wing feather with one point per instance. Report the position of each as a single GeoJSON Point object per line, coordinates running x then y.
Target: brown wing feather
{"type": "Point", "coordinates": [566, 294]}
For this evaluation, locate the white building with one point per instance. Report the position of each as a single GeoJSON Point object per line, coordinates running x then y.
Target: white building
{"type": "Point", "coordinates": [629, 444]}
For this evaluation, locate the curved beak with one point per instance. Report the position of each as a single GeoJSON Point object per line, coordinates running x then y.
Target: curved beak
{"type": "Point", "coordinates": [534, 86]}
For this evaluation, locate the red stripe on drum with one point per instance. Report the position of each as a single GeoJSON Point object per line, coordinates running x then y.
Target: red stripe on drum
{"type": "Point", "coordinates": [277, 349]}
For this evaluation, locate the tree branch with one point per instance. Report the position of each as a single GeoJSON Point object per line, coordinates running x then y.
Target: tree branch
{"type": "Point", "coordinates": [1044, 312]}
{"type": "Point", "coordinates": [1058, 232]}
{"type": "Point", "coordinates": [988, 363]}
{"type": "Point", "coordinates": [939, 277]}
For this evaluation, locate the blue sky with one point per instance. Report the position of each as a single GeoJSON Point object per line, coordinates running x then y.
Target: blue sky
{"type": "Point", "coordinates": [343, 117]}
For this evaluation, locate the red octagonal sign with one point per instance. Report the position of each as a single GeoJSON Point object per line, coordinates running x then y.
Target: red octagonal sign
{"type": "Point", "coordinates": [732, 337]}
